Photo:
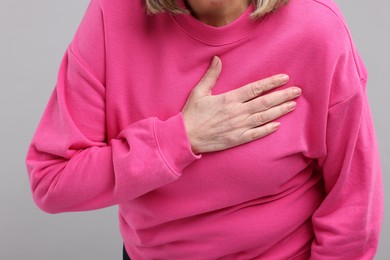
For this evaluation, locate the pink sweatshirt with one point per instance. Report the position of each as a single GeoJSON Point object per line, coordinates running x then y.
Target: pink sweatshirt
{"type": "Point", "coordinates": [113, 134]}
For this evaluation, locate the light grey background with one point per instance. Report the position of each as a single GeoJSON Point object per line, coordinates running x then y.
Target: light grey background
{"type": "Point", "coordinates": [34, 36]}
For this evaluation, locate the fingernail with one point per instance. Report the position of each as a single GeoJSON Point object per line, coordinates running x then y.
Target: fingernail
{"type": "Point", "coordinates": [292, 106]}
{"type": "Point", "coordinates": [215, 61]}
{"type": "Point", "coordinates": [275, 126]}
{"type": "Point", "coordinates": [297, 91]}
{"type": "Point", "coordinates": [284, 78]}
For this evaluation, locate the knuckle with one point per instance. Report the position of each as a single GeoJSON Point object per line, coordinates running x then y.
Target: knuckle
{"type": "Point", "coordinates": [207, 78]}
{"type": "Point", "coordinates": [254, 135]}
{"type": "Point", "coordinates": [231, 140]}
{"type": "Point", "coordinates": [287, 95]}
{"type": "Point", "coordinates": [261, 118]}
{"type": "Point", "coordinates": [280, 81]}
{"type": "Point", "coordinates": [269, 128]}
{"type": "Point", "coordinates": [258, 133]}
{"type": "Point", "coordinates": [283, 110]}
{"type": "Point", "coordinates": [277, 81]}
{"type": "Point", "coordinates": [293, 93]}
{"type": "Point", "coordinates": [272, 82]}
{"type": "Point", "coordinates": [258, 88]}
{"type": "Point", "coordinates": [225, 99]}
{"type": "Point", "coordinates": [290, 106]}
{"type": "Point", "coordinates": [266, 102]}
{"type": "Point", "coordinates": [211, 74]}
{"type": "Point", "coordinates": [278, 112]}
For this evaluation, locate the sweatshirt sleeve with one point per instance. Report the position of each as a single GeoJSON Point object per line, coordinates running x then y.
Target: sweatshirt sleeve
{"type": "Point", "coordinates": [347, 223]}
{"type": "Point", "coordinates": [71, 164]}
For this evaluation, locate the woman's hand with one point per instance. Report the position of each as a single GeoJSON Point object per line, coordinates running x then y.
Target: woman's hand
{"type": "Point", "coordinates": [218, 122]}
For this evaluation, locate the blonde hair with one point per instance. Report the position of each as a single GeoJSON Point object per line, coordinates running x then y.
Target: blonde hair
{"type": "Point", "coordinates": [262, 7]}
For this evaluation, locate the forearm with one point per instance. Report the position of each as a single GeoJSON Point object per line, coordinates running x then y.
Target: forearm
{"type": "Point", "coordinates": [347, 224]}
{"type": "Point", "coordinates": [146, 155]}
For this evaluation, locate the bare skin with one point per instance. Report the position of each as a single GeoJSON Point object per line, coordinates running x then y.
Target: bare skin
{"type": "Point", "coordinates": [217, 12]}
{"type": "Point", "coordinates": [219, 122]}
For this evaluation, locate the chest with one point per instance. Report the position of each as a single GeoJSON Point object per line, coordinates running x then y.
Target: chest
{"type": "Point", "coordinates": [158, 84]}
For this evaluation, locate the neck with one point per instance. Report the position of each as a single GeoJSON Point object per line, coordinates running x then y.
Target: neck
{"type": "Point", "coordinates": [217, 12]}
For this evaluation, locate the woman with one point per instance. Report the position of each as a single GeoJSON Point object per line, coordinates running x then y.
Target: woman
{"type": "Point", "coordinates": [189, 150]}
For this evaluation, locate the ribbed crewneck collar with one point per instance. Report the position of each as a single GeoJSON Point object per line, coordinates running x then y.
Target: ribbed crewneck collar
{"type": "Point", "coordinates": [230, 33]}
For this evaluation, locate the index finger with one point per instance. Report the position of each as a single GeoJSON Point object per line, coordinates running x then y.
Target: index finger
{"type": "Point", "coordinates": [257, 88]}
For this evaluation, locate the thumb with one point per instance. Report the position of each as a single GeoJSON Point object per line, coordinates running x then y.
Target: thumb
{"type": "Point", "coordinates": [209, 79]}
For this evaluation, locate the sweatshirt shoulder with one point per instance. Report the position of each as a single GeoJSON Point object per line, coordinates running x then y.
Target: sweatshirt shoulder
{"type": "Point", "coordinates": [330, 12]}
{"type": "Point", "coordinates": [323, 16]}
{"type": "Point", "coordinates": [321, 24]}
{"type": "Point", "coordinates": [328, 6]}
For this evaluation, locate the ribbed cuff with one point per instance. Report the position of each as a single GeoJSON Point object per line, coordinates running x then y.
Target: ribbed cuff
{"type": "Point", "coordinates": [173, 143]}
